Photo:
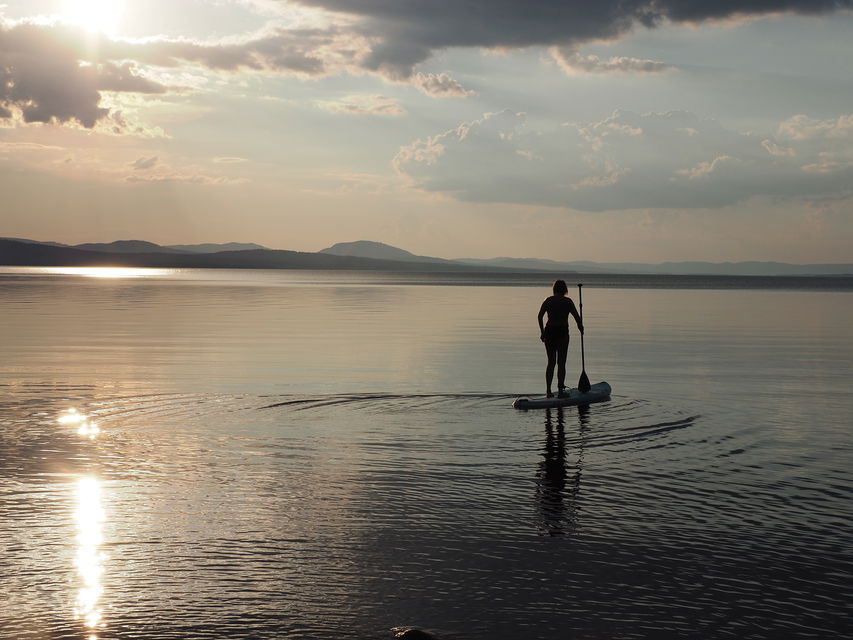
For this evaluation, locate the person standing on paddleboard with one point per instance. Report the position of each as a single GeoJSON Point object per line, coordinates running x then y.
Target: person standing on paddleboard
{"type": "Point", "coordinates": [555, 333]}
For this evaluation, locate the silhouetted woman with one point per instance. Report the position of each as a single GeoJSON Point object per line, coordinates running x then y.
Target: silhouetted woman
{"type": "Point", "coordinates": [555, 333]}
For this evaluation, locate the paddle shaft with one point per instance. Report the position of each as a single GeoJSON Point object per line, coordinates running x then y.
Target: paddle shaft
{"type": "Point", "coordinates": [583, 382]}
{"type": "Point", "coordinates": [580, 303]}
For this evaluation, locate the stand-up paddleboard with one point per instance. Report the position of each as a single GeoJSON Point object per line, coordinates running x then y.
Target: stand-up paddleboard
{"type": "Point", "coordinates": [598, 392]}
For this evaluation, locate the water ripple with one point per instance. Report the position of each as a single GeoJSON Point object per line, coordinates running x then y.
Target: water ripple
{"type": "Point", "coordinates": [345, 515]}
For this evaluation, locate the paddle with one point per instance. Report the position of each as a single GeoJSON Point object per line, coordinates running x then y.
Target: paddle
{"type": "Point", "coordinates": [583, 383]}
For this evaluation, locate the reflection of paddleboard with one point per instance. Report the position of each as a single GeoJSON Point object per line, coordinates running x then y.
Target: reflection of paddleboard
{"type": "Point", "coordinates": [597, 393]}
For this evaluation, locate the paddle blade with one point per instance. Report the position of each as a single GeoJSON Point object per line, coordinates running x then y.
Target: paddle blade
{"type": "Point", "coordinates": [583, 383]}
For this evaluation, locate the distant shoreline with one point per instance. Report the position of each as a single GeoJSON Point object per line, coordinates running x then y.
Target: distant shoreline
{"type": "Point", "coordinates": [408, 277]}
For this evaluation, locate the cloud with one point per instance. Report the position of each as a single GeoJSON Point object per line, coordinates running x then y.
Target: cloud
{"type": "Point", "coordinates": [56, 73]}
{"type": "Point", "coordinates": [363, 105]}
{"type": "Point", "coordinates": [167, 175]}
{"type": "Point", "coordinates": [573, 62]}
{"type": "Point", "coordinates": [801, 127]}
{"type": "Point", "coordinates": [409, 31]}
{"type": "Point", "coordinates": [44, 79]}
{"type": "Point", "coordinates": [825, 146]}
{"type": "Point", "coordinates": [15, 147]}
{"type": "Point", "coordinates": [632, 161]}
{"type": "Point", "coordinates": [121, 122]}
{"type": "Point", "coordinates": [141, 164]}
{"type": "Point", "coordinates": [439, 85]}
{"type": "Point", "coordinates": [59, 73]}
{"type": "Point", "coordinates": [310, 52]}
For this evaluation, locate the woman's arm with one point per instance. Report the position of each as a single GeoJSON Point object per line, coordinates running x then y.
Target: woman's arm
{"type": "Point", "coordinates": [541, 315]}
{"type": "Point", "coordinates": [573, 310]}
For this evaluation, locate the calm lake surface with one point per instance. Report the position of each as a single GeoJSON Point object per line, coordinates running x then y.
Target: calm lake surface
{"type": "Point", "coordinates": [294, 454]}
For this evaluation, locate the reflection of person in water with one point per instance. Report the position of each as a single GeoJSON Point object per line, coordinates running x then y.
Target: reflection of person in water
{"type": "Point", "coordinates": [557, 490]}
{"type": "Point", "coordinates": [555, 333]}
{"type": "Point", "coordinates": [551, 480]}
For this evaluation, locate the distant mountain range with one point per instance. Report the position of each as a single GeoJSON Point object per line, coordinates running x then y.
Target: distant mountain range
{"type": "Point", "coordinates": [362, 254]}
{"type": "Point", "coordinates": [367, 249]}
{"type": "Point", "coordinates": [133, 253]}
{"type": "Point", "coordinates": [141, 246]}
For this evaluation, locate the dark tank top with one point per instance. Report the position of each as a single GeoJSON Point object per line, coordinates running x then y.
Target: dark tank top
{"type": "Point", "coordinates": [558, 308]}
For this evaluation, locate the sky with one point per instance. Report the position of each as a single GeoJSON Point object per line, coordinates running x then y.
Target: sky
{"type": "Point", "coordinates": [615, 130]}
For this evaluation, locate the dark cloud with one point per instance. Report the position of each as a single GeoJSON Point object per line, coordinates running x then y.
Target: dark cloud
{"type": "Point", "coordinates": [632, 161]}
{"type": "Point", "coordinates": [411, 29]}
{"type": "Point", "coordinates": [44, 76]}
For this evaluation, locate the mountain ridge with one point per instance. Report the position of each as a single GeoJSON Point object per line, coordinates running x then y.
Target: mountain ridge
{"type": "Point", "coordinates": [17, 253]}
{"type": "Point", "coordinates": [378, 250]}
{"type": "Point", "coordinates": [365, 254]}
{"type": "Point", "coordinates": [144, 246]}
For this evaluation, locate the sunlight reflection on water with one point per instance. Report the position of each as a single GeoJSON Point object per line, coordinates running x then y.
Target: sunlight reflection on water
{"type": "Point", "coordinates": [87, 428]}
{"type": "Point", "coordinates": [106, 272]}
{"type": "Point", "coordinates": [89, 517]}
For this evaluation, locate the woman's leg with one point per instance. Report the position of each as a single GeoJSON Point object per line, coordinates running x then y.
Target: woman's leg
{"type": "Point", "coordinates": [562, 351]}
{"type": "Point", "coordinates": [551, 350]}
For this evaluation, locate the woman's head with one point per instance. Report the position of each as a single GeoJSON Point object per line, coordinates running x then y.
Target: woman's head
{"type": "Point", "coordinates": [560, 288]}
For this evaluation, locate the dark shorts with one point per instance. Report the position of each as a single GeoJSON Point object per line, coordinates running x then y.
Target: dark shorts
{"type": "Point", "coordinates": [556, 337]}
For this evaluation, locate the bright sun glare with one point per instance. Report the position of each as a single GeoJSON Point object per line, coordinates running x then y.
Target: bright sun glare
{"type": "Point", "coordinates": [102, 16]}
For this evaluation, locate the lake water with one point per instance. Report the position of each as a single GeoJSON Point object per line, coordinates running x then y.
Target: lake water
{"type": "Point", "coordinates": [291, 454]}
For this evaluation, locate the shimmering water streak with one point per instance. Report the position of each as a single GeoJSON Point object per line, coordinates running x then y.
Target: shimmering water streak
{"type": "Point", "coordinates": [89, 516]}
{"type": "Point", "coordinates": [105, 272]}
{"type": "Point", "coordinates": [87, 428]}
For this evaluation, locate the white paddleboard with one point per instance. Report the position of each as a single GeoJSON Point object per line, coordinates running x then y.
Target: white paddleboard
{"type": "Point", "coordinates": [597, 393]}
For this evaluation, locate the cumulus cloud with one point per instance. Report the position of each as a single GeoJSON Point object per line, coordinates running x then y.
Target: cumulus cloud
{"type": "Point", "coordinates": [630, 161]}
{"type": "Point", "coordinates": [363, 105]}
{"type": "Point", "coordinates": [44, 79]}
